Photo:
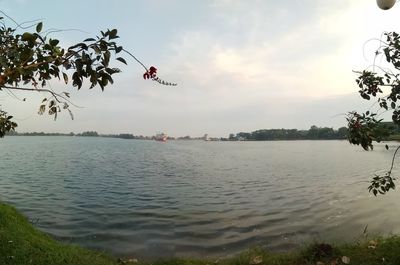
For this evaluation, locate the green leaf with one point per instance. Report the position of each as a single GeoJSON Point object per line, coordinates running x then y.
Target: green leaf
{"type": "Point", "coordinates": [90, 39]}
{"type": "Point", "coordinates": [39, 27]}
{"type": "Point", "coordinates": [54, 42]}
{"type": "Point", "coordinates": [113, 34]}
{"type": "Point", "coordinates": [27, 36]}
{"type": "Point", "coordinates": [387, 147]}
{"type": "Point", "coordinates": [122, 60]}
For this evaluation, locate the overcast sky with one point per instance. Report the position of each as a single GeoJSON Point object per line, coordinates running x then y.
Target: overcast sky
{"type": "Point", "coordinates": [240, 65]}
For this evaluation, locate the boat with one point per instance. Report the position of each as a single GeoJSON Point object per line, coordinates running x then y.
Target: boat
{"type": "Point", "coordinates": [161, 137]}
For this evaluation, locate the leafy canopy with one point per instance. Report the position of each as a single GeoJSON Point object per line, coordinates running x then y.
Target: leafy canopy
{"type": "Point", "coordinates": [29, 60]}
{"type": "Point", "coordinates": [383, 84]}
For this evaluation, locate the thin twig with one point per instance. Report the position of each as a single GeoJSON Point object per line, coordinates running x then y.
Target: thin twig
{"type": "Point", "coordinates": [54, 94]}
{"type": "Point", "coordinates": [19, 25]}
{"type": "Point", "coordinates": [394, 156]}
{"type": "Point", "coordinates": [136, 59]}
{"type": "Point", "coordinates": [54, 30]}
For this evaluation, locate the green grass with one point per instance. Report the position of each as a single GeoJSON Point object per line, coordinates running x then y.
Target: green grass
{"type": "Point", "coordinates": [22, 244]}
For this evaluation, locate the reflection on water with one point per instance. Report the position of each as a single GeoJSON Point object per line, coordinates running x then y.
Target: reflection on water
{"type": "Point", "coordinates": [180, 198]}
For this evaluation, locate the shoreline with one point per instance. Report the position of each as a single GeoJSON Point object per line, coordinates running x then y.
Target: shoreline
{"type": "Point", "coordinates": [21, 243]}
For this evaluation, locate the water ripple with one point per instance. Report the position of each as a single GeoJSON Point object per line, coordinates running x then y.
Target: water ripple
{"type": "Point", "coordinates": [193, 198]}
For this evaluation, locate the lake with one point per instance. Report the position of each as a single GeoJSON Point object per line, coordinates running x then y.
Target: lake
{"type": "Point", "coordinates": [192, 198]}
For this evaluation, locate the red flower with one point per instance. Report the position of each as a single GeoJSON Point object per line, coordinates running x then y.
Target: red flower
{"type": "Point", "coordinates": [151, 73]}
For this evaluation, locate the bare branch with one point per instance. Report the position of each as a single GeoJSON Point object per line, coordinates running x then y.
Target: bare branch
{"type": "Point", "coordinates": [57, 96]}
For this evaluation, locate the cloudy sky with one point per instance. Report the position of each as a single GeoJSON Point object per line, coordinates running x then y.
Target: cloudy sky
{"type": "Point", "coordinates": [240, 65]}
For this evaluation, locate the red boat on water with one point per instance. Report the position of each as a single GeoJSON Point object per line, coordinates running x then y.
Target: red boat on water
{"type": "Point", "coordinates": [161, 137]}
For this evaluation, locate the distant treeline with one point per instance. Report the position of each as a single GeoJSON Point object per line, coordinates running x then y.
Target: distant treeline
{"type": "Point", "coordinates": [83, 134]}
{"type": "Point", "coordinates": [390, 131]}
{"type": "Point", "coordinates": [314, 133]}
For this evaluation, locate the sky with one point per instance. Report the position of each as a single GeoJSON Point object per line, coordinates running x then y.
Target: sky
{"type": "Point", "coordinates": [240, 65]}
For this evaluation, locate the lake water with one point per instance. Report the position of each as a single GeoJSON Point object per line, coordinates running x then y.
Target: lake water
{"type": "Point", "coordinates": [194, 198]}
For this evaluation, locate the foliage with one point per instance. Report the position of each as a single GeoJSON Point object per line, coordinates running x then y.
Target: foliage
{"type": "Point", "coordinates": [29, 60]}
{"type": "Point", "coordinates": [6, 124]}
{"type": "Point", "coordinates": [314, 133]}
{"type": "Point", "coordinates": [383, 84]}
{"type": "Point", "coordinates": [89, 134]}
{"type": "Point", "coordinates": [21, 243]}
{"type": "Point", "coordinates": [33, 58]}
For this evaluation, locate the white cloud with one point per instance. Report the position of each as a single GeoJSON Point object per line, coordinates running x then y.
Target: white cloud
{"type": "Point", "coordinates": [247, 65]}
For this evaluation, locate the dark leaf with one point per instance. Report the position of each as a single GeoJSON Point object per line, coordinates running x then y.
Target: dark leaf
{"type": "Point", "coordinates": [106, 58]}
{"type": "Point", "coordinates": [65, 76]}
{"type": "Point", "coordinates": [54, 42]}
{"type": "Point", "coordinates": [113, 34]}
{"type": "Point", "coordinates": [39, 27]}
{"type": "Point", "coordinates": [122, 60]}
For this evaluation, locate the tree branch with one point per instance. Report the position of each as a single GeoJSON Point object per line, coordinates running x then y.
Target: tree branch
{"type": "Point", "coordinates": [54, 94]}
{"type": "Point", "coordinates": [394, 156]}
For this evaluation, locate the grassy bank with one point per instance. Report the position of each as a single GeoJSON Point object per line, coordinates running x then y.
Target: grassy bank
{"type": "Point", "coordinates": [22, 244]}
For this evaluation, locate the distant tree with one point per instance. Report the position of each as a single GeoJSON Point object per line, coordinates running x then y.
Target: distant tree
{"type": "Point", "coordinates": [89, 134]}
{"type": "Point", "coordinates": [342, 133]}
{"type": "Point", "coordinates": [29, 60]}
{"type": "Point", "coordinates": [383, 84]}
{"type": "Point", "coordinates": [244, 135]}
{"type": "Point", "coordinates": [232, 137]}
{"type": "Point", "coordinates": [313, 132]}
{"type": "Point", "coordinates": [326, 133]}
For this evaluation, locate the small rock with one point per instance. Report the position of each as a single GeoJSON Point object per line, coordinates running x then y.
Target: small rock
{"type": "Point", "coordinates": [256, 260]}
{"type": "Point", "coordinates": [320, 263]}
{"type": "Point", "coordinates": [372, 244]}
{"type": "Point", "coordinates": [345, 260]}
